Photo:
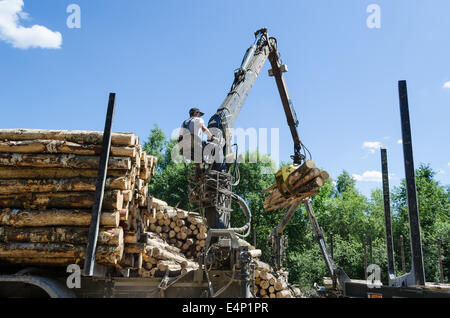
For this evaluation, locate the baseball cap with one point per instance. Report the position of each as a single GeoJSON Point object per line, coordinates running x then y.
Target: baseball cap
{"type": "Point", "coordinates": [194, 110]}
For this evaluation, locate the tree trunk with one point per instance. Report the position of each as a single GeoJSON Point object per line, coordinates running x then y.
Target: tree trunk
{"type": "Point", "coordinates": [72, 235]}
{"type": "Point", "coordinates": [59, 185]}
{"type": "Point", "coordinates": [78, 136]}
{"type": "Point", "coordinates": [57, 173]}
{"type": "Point", "coordinates": [61, 161]}
{"type": "Point", "coordinates": [112, 200]}
{"type": "Point", "coordinates": [33, 218]}
{"type": "Point", "coordinates": [105, 253]}
{"type": "Point", "coordinates": [63, 147]}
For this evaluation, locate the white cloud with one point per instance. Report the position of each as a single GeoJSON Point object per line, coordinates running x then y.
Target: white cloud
{"type": "Point", "coordinates": [447, 85]}
{"type": "Point", "coordinates": [441, 172]}
{"type": "Point", "coordinates": [368, 176]}
{"type": "Point", "coordinates": [372, 146]}
{"type": "Point", "coordinates": [400, 141]}
{"type": "Point", "coordinates": [24, 37]}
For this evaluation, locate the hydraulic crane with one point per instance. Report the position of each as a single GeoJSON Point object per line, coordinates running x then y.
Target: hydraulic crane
{"type": "Point", "coordinates": [211, 187]}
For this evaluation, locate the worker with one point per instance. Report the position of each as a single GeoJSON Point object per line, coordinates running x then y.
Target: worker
{"type": "Point", "coordinates": [194, 126]}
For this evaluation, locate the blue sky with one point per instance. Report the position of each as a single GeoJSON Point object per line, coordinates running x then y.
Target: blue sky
{"type": "Point", "coordinates": [163, 57]}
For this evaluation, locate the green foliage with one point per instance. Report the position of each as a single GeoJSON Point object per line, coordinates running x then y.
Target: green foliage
{"type": "Point", "coordinates": [340, 209]}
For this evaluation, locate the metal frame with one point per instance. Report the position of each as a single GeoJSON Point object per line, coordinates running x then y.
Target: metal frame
{"type": "Point", "coordinates": [387, 217]}
{"type": "Point", "coordinates": [90, 266]}
{"type": "Point", "coordinates": [418, 270]}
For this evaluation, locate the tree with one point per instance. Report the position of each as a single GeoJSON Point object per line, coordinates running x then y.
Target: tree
{"type": "Point", "coordinates": [434, 213]}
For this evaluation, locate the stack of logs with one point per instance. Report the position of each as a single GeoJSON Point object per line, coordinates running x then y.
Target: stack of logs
{"type": "Point", "coordinates": [178, 238]}
{"type": "Point", "coordinates": [304, 182]}
{"type": "Point", "coordinates": [268, 285]}
{"type": "Point", "coordinates": [174, 238]}
{"type": "Point", "coordinates": [47, 186]}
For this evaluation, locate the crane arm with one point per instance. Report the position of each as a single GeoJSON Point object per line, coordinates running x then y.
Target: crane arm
{"type": "Point", "coordinates": [263, 48]}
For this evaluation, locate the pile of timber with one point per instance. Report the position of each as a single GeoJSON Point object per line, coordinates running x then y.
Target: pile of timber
{"type": "Point", "coordinates": [304, 182]}
{"type": "Point", "coordinates": [182, 229]}
{"type": "Point", "coordinates": [269, 284]}
{"type": "Point", "coordinates": [181, 236]}
{"type": "Point", "coordinates": [47, 186]}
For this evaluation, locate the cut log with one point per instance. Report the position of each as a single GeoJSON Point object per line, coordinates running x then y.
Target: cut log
{"type": "Point", "coordinates": [255, 253]}
{"type": "Point", "coordinates": [78, 136]}
{"type": "Point", "coordinates": [61, 161]}
{"type": "Point", "coordinates": [57, 173]}
{"type": "Point", "coordinates": [12, 186]}
{"type": "Point", "coordinates": [312, 185]}
{"type": "Point", "coordinates": [261, 266]}
{"type": "Point", "coordinates": [63, 147]}
{"type": "Point", "coordinates": [157, 204]}
{"type": "Point", "coordinates": [127, 195]}
{"type": "Point", "coordinates": [168, 265]}
{"type": "Point", "coordinates": [112, 200]}
{"type": "Point", "coordinates": [41, 261]}
{"type": "Point", "coordinates": [264, 284]}
{"type": "Point", "coordinates": [284, 294]}
{"type": "Point", "coordinates": [130, 238]}
{"type": "Point", "coordinates": [33, 218]}
{"type": "Point", "coordinates": [72, 235]}
{"type": "Point", "coordinates": [136, 248]}
{"type": "Point", "coordinates": [280, 285]}
{"type": "Point", "coordinates": [104, 254]}
{"type": "Point", "coordinates": [312, 174]}
{"type": "Point", "coordinates": [123, 214]}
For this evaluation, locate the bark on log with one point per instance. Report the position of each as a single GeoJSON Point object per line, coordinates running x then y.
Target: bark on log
{"type": "Point", "coordinates": [72, 235]}
{"type": "Point", "coordinates": [312, 185]}
{"type": "Point", "coordinates": [261, 266]}
{"type": "Point", "coordinates": [33, 218]}
{"type": "Point", "coordinates": [104, 253]}
{"type": "Point", "coordinates": [255, 253]}
{"type": "Point", "coordinates": [135, 248]}
{"type": "Point", "coordinates": [63, 147]}
{"type": "Point", "coordinates": [280, 285]}
{"type": "Point", "coordinates": [78, 136]}
{"type": "Point", "coordinates": [112, 200]}
{"type": "Point", "coordinates": [284, 294]}
{"type": "Point", "coordinates": [12, 186]}
{"type": "Point", "coordinates": [41, 261]}
{"type": "Point", "coordinates": [57, 173]}
{"type": "Point", "coordinates": [168, 265]}
{"type": "Point", "coordinates": [61, 161]}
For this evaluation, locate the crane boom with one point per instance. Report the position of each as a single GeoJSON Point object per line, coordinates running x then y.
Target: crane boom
{"type": "Point", "coordinates": [254, 59]}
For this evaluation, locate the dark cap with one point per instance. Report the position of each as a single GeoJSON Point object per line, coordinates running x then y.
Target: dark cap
{"type": "Point", "coordinates": [195, 110]}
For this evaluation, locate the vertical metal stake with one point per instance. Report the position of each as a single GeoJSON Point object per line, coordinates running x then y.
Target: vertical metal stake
{"type": "Point", "coordinates": [365, 256]}
{"type": "Point", "coordinates": [441, 268]}
{"type": "Point", "coordinates": [414, 224]}
{"type": "Point", "coordinates": [254, 235]}
{"type": "Point", "coordinates": [99, 190]}
{"type": "Point", "coordinates": [387, 215]}
{"type": "Point", "coordinates": [331, 246]}
{"type": "Point", "coordinates": [402, 248]}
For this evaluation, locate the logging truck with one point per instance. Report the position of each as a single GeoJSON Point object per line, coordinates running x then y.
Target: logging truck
{"type": "Point", "coordinates": [76, 218]}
